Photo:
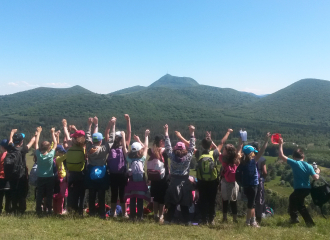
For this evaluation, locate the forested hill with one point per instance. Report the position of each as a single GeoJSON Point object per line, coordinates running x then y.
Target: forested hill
{"type": "Point", "coordinates": [304, 102]}
{"type": "Point", "coordinates": [301, 108]}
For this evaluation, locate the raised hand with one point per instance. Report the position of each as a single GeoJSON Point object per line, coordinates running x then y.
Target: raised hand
{"type": "Point", "coordinates": [113, 120]}
{"type": "Point", "coordinates": [126, 117]}
{"type": "Point", "coordinates": [95, 120]}
{"type": "Point", "coordinates": [136, 138]}
{"type": "Point", "coordinates": [39, 129]}
{"type": "Point", "coordinates": [64, 123]}
{"type": "Point", "coordinates": [268, 135]}
{"type": "Point", "coordinates": [166, 129]}
{"type": "Point", "coordinates": [208, 134]}
{"type": "Point", "coordinates": [14, 131]}
{"type": "Point", "coordinates": [90, 121]}
{"type": "Point", "coordinates": [58, 133]}
{"type": "Point", "coordinates": [52, 130]}
{"type": "Point", "coordinates": [147, 132]}
{"type": "Point", "coordinates": [230, 130]}
{"type": "Point", "coordinates": [191, 128]}
{"type": "Point", "coordinates": [73, 128]}
{"type": "Point", "coordinates": [178, 134]}
{"type": "Point", "coordinates": [280, 141]}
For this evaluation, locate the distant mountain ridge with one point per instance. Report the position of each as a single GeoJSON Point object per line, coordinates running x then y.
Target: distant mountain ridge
{"type": "Point", "coordinates": [174, 82]}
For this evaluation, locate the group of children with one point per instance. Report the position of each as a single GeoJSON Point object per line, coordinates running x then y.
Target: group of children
{"type": "Point", "coordinates": [87, 160]}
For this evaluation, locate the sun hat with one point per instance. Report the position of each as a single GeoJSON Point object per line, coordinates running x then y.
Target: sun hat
{"type": "Point", "coordinates": [136, 147]}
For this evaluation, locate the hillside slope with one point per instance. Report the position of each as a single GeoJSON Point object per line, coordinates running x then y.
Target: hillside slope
{"type": "Point", "coordinates": [303, 102]}
{"type": "Point", "coordinates": [128, 90]}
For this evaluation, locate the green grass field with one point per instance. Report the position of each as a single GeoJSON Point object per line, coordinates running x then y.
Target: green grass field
{"type": "Point", "coordinates": [69, 227]}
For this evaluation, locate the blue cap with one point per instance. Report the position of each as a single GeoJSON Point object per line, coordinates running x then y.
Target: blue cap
{"type": "Point", "coordinates": [18, 137]}
{"type": "Point", "coordinates": [97, 137]}
{"type": "Point", "coordinates": [247, 149]}
{"type": "Point", "coordinates": [4, 143]}
{"type": "Point", "coordinates": [60, 148]}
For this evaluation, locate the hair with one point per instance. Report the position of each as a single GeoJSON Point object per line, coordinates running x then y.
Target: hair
{"type": "Point", "coordinates": [180, 152]}
{"type": "Point", "coordinates": [79, 141]}
{"type": "Point", "coordinates": [206, 143]}
{"type": "Point", "coordinates": [135, 155]}
{"type": "Point", "coordinates": [232, 156]}
{"type": "Point", "coordinates": [298, 154]}
{"type": "Point", "coordinates": [116, 142]}
{"type": "Point", "coordinates": [156, 150]}
{"type": "Point", "coordinates": [246, 158]}
{"type": "Point", "coordinates": [44, 146]}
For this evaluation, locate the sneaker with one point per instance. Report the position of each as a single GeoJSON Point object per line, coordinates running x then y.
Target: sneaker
{"type": "Point", "coordinates": [212, 222]}
{"type": "Point", "coordinates": [161, 219]}
{"type": "Point", "coordinates": [255, 225]}
{"type": "Point", "coordinates": [126, 216]}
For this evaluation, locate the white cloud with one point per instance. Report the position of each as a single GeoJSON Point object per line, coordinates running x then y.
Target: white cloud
{"type": "Point", "coordinates": [58, 84]}
{"type": "Point", "coordinates": [22, 84]}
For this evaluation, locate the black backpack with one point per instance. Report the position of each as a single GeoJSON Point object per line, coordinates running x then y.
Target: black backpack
{"type": "Point", "coordinates": [320, 194]}
{"type": "Point", "coordinates": [13, 165]}
{"type": "Point", "coordinates": [239, 175]}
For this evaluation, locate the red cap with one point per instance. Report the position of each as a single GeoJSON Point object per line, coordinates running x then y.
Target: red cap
{"type": "Point", "coordinates": [79, 133]}
{"type": "Point", "coordinates": [276, 138]}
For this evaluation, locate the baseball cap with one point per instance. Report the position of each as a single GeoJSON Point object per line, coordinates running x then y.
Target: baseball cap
{"type": "Point", "coordinates": [4, 143]}
{"type": "Point", "coordinates": [60, 148]}
{"type": "Point", "coordinates": [118, 134]}
{"type": "Point", "coordinates": [247, 149]}
{"type": "Point", "coordinates": [136, 147]}
{"type": "Point", "coordinates": [78, 133]}
{"type": "Point", "coordinates": [179, 146]}
{"type": "Point", "coordinates": [18, 137]}
{"type": "Point", "coordinates": [97, 137]}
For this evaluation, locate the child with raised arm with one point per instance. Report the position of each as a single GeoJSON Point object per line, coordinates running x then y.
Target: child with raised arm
{"type": "Point", "coordinates": [208, 178]}
{"type": "Point", "coordinates": [301, 184]}
{"type": "Point", "coordinates": [229, 188]}
{"type": "Point", "coordinates": [19, 184]}
{"type": "Point", "coordinates": [97, 153]}
{"type": "Point", "coordinates": [116, 163]}
{"type": "Point", "coordinates": [180, 188]}
{"type": "Point", "coordinates": [45, 183]}
{"type": "Point", "coordinates": [136, 188]}
{"type": "Point", "coordinates": [249, 178]}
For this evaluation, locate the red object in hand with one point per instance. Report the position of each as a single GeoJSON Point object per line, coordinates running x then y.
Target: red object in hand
{"type": "Point", "coordinates": [276, 138]}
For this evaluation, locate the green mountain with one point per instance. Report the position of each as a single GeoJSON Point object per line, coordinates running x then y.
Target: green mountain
{"type": "Point", "coordinates": [299, 111]}
{"type": "Point", "coordinates": [128, 90]}
{"type": "Point", "coordinates": [303, 102]}
{"type": "Point", "coordinates": [170, 81]}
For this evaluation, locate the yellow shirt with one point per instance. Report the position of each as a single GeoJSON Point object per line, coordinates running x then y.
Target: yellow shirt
{"type": "Point", "coordinates": [60, 166]}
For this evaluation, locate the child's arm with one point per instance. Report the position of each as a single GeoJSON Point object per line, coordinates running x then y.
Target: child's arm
{"type": "Point", "coordinates": [263, 149]}
{"type": "Point", "coordinates": [65, 129]}
{"type": "Point", "coordinates": [128, 129]}
{"type": "Point", "coordinates": [13, 131]}
{"type": "Point", "coordinates": [280, 151]}
{"type": "Point", "coordinates": [224, 139]}
{"type": "Point", "coordinates": [192, 140]}
{"type": "Point", "coordinates": [181, 138]}
{"type": "Point", "coordinates": [96, 123]}
{"type": "Point", "coordinates": [54, 138]}
{"type": "Point", "coordinates": [316, 176]}
{"type": "Point", "coordinates": [111, 125]}
{"type": "Point", "coordinates": [137, 139]}
{"type": "Point", "coordinates": [32, 141]}
{"type": "Point", "coordinates": [57, 134]}
{"type": "Point", "coordinates": [36, 143]}
{"type": "Point", "coordinates": [123, 142]}
{"type": "Point", "coordinates": [146, 142]}
{"type": "Point", "coordinates": [88, 137]}
{"type": "Point", "coordinates": [168, 146]}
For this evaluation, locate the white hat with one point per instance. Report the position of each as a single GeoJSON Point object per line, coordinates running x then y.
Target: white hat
{"type": "Point", "coordinates": [136, 147]}
{"type": "Point", "coordinates": [118, 133]}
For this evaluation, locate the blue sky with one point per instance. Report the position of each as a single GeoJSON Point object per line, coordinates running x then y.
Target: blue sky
{"type": "Point", "coordinates": [256, 46]}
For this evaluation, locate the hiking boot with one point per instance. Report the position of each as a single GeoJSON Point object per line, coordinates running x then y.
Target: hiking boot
{"type": "Point", "coordinates": [255, 225]}
{"type": "Point", "coordinates": [212, 222]}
